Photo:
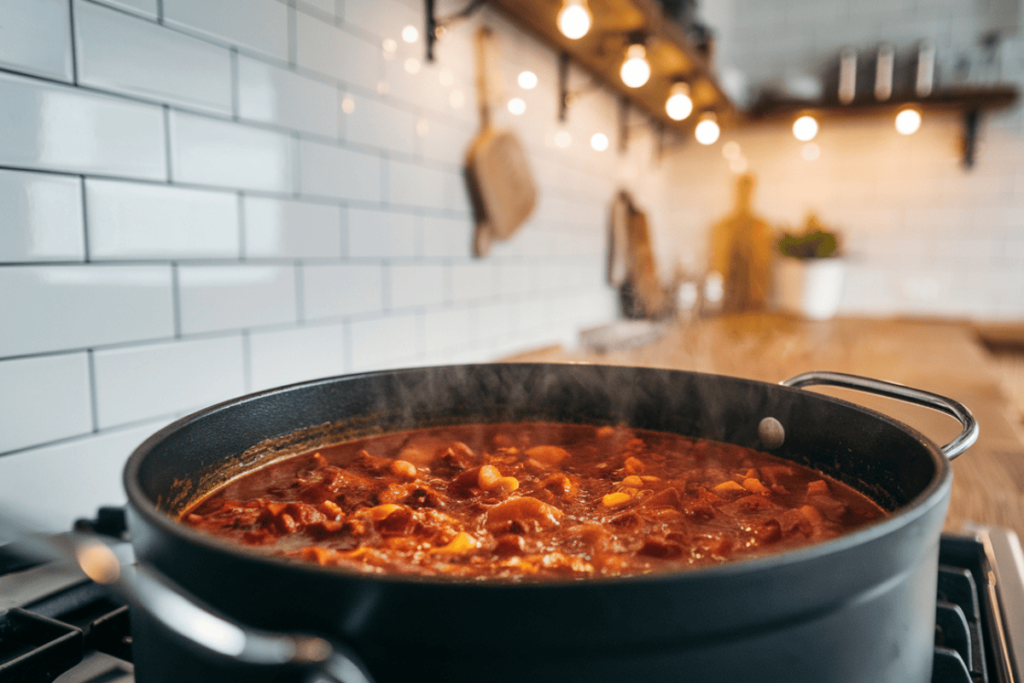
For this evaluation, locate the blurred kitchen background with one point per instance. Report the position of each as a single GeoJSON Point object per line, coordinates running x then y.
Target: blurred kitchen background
{"type": "Point", "coordinates": [205, 198]}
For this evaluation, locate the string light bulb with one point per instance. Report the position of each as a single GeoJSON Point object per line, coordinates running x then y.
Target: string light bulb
{"type": "Point", "coordinates": [707, 130]}
{"type": "Point", "coordinates": [527, 80]}
{"type": "Point", "coordinates": [805, 128]}
{"type": "Point", "coordinates": [636, 69]}
{"type": "Point", "coordinates": [908, 121]}
{"type": "Point", "coordinates": [574, 19]}
{"type": "Point", "coordinates": [678, 105]}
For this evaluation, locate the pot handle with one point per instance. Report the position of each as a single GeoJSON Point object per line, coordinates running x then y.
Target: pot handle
{"type": "Point", "coordinates": [176, 610]}
{"type": "Point", "coordinates": [961, 443]}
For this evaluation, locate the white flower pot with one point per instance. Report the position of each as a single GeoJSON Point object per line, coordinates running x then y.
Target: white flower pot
{"type": "Point", "coordinates": [811, 288]}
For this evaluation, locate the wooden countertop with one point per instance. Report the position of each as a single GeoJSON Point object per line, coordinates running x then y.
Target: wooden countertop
{"type": "Point", "coordinates": [942, 357]}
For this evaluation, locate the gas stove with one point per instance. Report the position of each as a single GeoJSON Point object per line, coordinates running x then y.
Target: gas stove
{"type": "Point", "coordinates": [57, 626]}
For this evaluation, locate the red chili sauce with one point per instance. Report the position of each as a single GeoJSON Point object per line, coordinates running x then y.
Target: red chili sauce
{"type": "Point", "coordinates": [529, 501]}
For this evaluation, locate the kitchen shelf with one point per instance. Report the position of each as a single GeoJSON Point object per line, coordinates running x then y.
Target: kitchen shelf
{"type": "Point", "coordinates": [969, 100]}
{"type": "Point", "coordinates": [671, 53]}
{"type": "Point", "coordinates": [962, 98]}
{"type": "Point", "coordinates": [674, 56]}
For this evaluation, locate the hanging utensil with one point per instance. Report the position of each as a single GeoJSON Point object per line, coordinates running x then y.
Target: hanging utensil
{"type": "Point", "coordinates": [500, 182]}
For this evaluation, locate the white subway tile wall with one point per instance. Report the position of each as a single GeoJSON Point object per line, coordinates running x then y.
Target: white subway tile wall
{"type": "Point", "coordinates": [60, 128]}
{"type": "Point", "coordinates": [48, 308]}
{"type": "Point", "coordinates": [328, 170]}
{"type": "Point", "coordinates": [286, 356]}
{"type": "Point", "coordinates": [35, 38]}
{"type": "Point", "coordinates": [258, 25]}
{"type": "Point", "coordinates": [33, 480]}
{"type": "Point", "coordinates": [118, 53]}
{"type": "Point", "coordinates": [191, 374]}
{"type": "Point", "coordinates": [227, 297]}
{"type": "Point", "coordinates": [146, 8]}
{"type": "Point", "coordinates": [271, 94]}
{"type": "Point", "coordinates": [53, 402]}
{"type": "Point", "coordinates": [924, 235]}
{"type": "Point", "coordinates": [336, 290]}
{"type": "Point", "coordinates": [41, 218]}
{"type": "Point", "coordinates": [147, 221]}
{"type": "Point", "coordinates": [204, 198]}
{"type": "Point", "coordinates": [286, 228]}
{"type": "Point", "coordinates": [374, 233]}
{"type": "Point", "coordinates": [216, 152]}
{"type": "Point", "coordinates": [335, 52]}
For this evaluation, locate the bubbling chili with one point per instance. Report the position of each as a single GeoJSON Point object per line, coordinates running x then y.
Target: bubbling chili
{"type": "Point", "coordinates": [527, 501]}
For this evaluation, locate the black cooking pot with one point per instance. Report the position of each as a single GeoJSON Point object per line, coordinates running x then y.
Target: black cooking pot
{"type": "Point", "coordinates": [857, 608]}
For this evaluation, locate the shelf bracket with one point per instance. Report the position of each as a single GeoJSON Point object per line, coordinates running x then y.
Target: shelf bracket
{"type": "Point", "coordinates": [623, 125]}
{"type": "Point", "coordinates": [563, 86]}
{"type": "Point", "coordinates": [567, 98]}
{"type": "Point", "coordinates": [969, 142]}
{"type": "Point", "coordinates": [436, 25]}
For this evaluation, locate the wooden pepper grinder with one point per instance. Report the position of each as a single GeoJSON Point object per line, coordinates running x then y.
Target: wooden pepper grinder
{"type": "Point", "coordinates": [742, 246]}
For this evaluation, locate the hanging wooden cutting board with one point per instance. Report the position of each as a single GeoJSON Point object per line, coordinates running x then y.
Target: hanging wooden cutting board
{"type": "Point", "coordinates": [500, 182]}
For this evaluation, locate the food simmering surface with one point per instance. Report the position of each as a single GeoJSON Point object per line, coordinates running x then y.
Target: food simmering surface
{"type": "Point", "coordinates": [530, 501]}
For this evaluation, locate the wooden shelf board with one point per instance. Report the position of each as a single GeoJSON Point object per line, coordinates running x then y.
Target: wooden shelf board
{"type": "Point", "coordinates": [956, 98]}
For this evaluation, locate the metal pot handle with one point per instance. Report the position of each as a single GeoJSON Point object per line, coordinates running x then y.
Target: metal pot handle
{"type": "Point", "coordinates": [180, 612]}
{"type": "Point", "coordinates": [961, 443]}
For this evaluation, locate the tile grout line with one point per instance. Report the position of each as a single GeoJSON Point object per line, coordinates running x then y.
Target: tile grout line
{"type": "Point", "coordinates": [86, 251]}
{"type": "Point", "coordinates": [167, 144]}
{"type": "Point", "coordinates": [93, 390]}
{"type": "Point", "coordinates": [74, 43]}
{"type": "Point", "coordinates": [293, 37]}
{"type": "Point", "coordinates": [236, 86]}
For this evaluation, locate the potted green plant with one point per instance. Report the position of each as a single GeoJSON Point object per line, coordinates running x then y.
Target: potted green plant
{"type": "Point", "coordinates": [810, 272]}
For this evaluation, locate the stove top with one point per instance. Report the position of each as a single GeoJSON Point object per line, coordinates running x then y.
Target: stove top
{"type": "Point", "coordinates": [57, 626]}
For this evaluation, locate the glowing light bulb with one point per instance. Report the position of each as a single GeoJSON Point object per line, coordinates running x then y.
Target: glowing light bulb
{"type": "Point", "coordinates": [707, 130]}
{"type": "Point", "coordinates": [636, 69]}
{"type": "Point", "coordinates": [516, 105]}
{"type": "Point", "coordinates": [805, 128]}
{"type": "Point", "coordinates": [599, 142]}
{"type": "Point", "coordinates": [679, 105]}
{"type": "Point", "coordinates": [410, 34]}
{"type": "Point", "coordinates": [908, 121]}
{"type": "Point", "coordinates": [574, 19]}
{"type": "Point", "coordinates": [527, 80]}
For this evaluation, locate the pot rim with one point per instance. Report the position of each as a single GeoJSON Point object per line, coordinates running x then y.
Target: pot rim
{"type": "Point", "coordinates": [935, 491]}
